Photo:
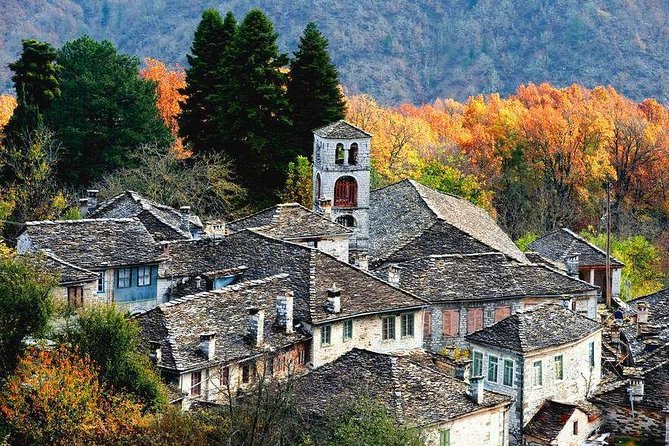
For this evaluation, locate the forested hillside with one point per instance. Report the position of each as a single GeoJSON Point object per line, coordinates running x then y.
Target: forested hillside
{"type": "Point", "coordinates": [398, 51]}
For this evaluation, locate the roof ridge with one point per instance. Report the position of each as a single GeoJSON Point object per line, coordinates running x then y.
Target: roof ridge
{"type": "Point", "coordinates": [54, 257]}
{"type": "Point", "coordinates": [106, 203]}
{"type": "Point", "coordinates": [592, 245]}
{"type": "Point", "coordinates": [81, 220]}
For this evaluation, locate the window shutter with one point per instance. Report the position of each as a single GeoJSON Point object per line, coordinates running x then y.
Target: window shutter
{"type": "Point", "coordinates": [474, 319]}
{"type": "Point", "coordinates": [502, 313]}
{"type": "Point", "coordinates": [451, 322]}
{"type": "Point", "coordinates": [427, 324]}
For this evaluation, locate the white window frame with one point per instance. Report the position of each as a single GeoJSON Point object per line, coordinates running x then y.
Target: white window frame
{"type": "Point", "coordinates": [102, 282]}
{"type": "Point", "coordinates": [388, 328]}
{"type": "Point", "coordinates": [537, 382]}
{"type": "Point", "coordinates": [347, 330]}
{"type": "Point", "coordinates": [559, 359]}
{"type": "Point", "coordinates": [326, 335]}
{"type": "Point", "coordinates": [407, 322]}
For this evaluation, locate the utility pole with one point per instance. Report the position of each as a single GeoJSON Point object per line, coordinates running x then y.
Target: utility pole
{"type": "Point", "coordinates": [608, 245]}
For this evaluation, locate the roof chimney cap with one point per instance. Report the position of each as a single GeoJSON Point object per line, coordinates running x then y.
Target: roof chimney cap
{"type": "Point", "coordinates": [334, 291]}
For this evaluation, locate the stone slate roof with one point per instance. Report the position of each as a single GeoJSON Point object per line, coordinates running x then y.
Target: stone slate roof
{"type": "Point", "coordinates": [442, 278]}
{"type": "Point", "coordinates": [162, 221]}
{"type": "Point", "coordinates": [177, 325]}
{"type": "Point", "coordinates": [409, 220]}
{"type": "Point", "coordinates": [656, 389]}
{"type": "Point", "coordinates": [290, 221]}
{"type": "Point", "coordinates": [658, 307]}
{"type": "Point", "coordinates": [68, 274]}
{"type": "Point", "coordinates": [559, 244]}
{"type": "Point", "coordinates": [341, 130]}
{"type": "Point", "coordinates": [311, 272]}
{"type": "Point", "coordinates": [94, 244]}
{"type": "Point", "coordinates": [413, 393]}
{"type": "Point", "coordinates": [544, 326]}
{"type": "Point", "coordinates": [551, 418]}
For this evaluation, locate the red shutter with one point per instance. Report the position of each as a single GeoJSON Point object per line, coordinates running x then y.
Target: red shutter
{"type": "Point", "coordinates": [474, 319]}
{"type": "Point", "coordinates": [451, 322]}
{"type": "Point", "coordinates": [427, 324]}
{"type": "Point", "coordinates": [502, 313]}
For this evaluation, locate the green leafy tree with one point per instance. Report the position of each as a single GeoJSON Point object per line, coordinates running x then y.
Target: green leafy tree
{"type": "Point", "coordinates": [212, 38]}
{"type": "Point", "coordinates": [36, 84]}
{"type": "Point", "coordinates": [448, 179]}
{"type": "Point", "coordinates": [25, 305]}
{"type": "Point", "coordinates": [299, 183]}
{"type": "Point", "coordinates": [313, 90]}
{"type": "Point", "coordinates": [104, 112]}
{"type": "Point", "coordinates": [111, 340]}
{"type": "Point", "coordinates": [255, 119]}
{"type": "Point", "coordinates": [526, 240]}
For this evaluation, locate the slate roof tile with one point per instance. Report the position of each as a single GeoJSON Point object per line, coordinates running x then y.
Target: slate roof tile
{"type": "Point", "coordinates": [551, 418]}
{"type": "Point", "coordinates": [341, 130]}
{"type": "Point", "coordinates": [560, 244]}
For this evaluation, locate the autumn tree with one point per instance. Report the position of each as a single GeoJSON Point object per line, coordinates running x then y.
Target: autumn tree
{"type": "Point", "coordinates": [299, 184]}
{"type": "Point", "coordinates": [105, 111]}
{"type": "Point", "coordinates": [7, 106]}
{"type": "Point", "coordinates": [170, 83]}
{"type": "Point", "coordinates": [313, 90]}
{"type": "Point", "coordinates": [203, 80]}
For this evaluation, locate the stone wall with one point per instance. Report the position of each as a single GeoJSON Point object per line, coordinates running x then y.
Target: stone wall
{"type": "Point", "coordinates": [484, 428]}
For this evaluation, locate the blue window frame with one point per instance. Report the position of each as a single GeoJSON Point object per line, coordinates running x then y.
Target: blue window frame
{"type": "Point", "coordinates": [144, 276]}
{"type": "Point", "coordinates": [124, 278]}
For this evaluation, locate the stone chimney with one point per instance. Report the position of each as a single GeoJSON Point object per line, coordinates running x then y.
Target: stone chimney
{"type": "Point", "coordinates": [615, 332]}
{"type": "Point", "coordinates": [334, 299]}
{"type": "Point", "coordinates": [325, 207]}
{"type": "Point", "coordinates": [642, 313]}
{"type": "Point", "coordinates": [476, 389]}
{"type": "Point", "coordinates": [92, 199]}
{"type": "Point", "coordinates": [360, 259]}
{"type": "Point", "coordinates": [394, 275]}
{"type": "Point", "coordinates": [284, 310]}
{"type": "Point", "coordinates": [636, 383]}
{"type": "Point", "coordinates": [156, 354]}
{"type": "Point", "coordinates": [256, 326]}
{"type": "Point", "coordinates": [83, 207]}
{"type": "Point", "coordinates": [185, 218]}
{"type": "Point", "coordinates": [208, 345]}
{"type": "Point", "coordinates": [572, 263]}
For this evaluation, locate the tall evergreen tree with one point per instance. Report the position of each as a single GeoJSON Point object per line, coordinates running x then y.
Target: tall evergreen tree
{"type": "Point", "coordinates": [256, 116]}
{"type": "Point", "coordinates": [212, 37]}
{"type": "Point", "coordinates": [313, 90]}
{"type": "Point", "coordinates": [104, 112]}
{"type": "Point", "coordinates": [36, 83]}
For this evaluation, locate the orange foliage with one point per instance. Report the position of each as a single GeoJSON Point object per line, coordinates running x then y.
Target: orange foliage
{"type": "Point", "coordinates": [7, 106]}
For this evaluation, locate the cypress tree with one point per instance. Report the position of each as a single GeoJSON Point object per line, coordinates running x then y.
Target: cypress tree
{"type": "Point", "coordinates": [313, 90]}
{"type": "Point", "coordinates": [256, 116]}
{"type": "Point", "coordinates": [212, 37]}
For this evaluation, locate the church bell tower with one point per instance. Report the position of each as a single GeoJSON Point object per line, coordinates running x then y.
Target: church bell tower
{"type": "Point", "coordinates": [341, 181]}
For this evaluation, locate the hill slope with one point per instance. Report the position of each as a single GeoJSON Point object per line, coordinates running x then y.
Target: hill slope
{"type": "Point", "coordinates": [400, 50]}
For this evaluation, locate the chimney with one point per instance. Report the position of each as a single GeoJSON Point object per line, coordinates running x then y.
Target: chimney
{"type": "Point", "coordinates": [92, 198]}
{"type": "Point", "coordinates": [156, 354]}
{"type": "Point", "coordinates": [572, 263]}
{"type": "Point", "coordinates": [615, 332]}
{"type": "Point", "coordinates": [394, 275]}
{"type": "Point", "coordinates": [256, 326]}
{"type": "Point", "coordinates": [83, 207]}
{"type": "Point", "coordinates": [360, 260]}
{"type": "Point", "coordinates": [476, 389]}
{"type": "Point", "coordinates": [642, 313]}
{"type": "Point", "coordinates": [215, 229]}
{"type": "Point", "coordinates": [325, 206]}
{"type": "Point", "coordinates": [636, 385]}
{"type": "Point", "coordinates": [284, 310]}
{"type": "Point", "coordinates": [334, 299]}
{"type": "Point", "coordinates": [185, 218]}
{"type": "Point", "coordinates": [208, 344]}
{"type": "Point", "coordinates": [198, 282]}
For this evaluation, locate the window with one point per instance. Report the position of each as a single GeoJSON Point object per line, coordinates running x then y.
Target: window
{"type": "Point", "coordinates": [346, 192]}
{"type": "Point", "coordinates": [101, 282]}
{"type": "Point", "coordinates": [246, 373]}
{"type": "Point", "coordinates": [196, 383]}
{"type": "Point", "coordinates": [474, 320]}
{"type": "Point", "coordinates": [575, 427]}
{"type": "Point", "coordinates": [493, 367]}
{"type": "Point", "coordinates": [591, 353]}
{"type": "Point", "coordinates": [124, 278]}
{"type": "Point", "coordinates": [348, 330]}
{"type": "Point", "coordinates": [559, 368]}
{"type": "Point", "coordinates": [346, 220]}
{"type": "Point", "coordinates": [225, 376]}
{"type": "Point", "coordinates": [353, 154]}
{"type": "Point", "coordinates": [302, 356]}
{"type": "Point", "coordinates": [339, 154]}
{"type": "Point", "coordinates": [388, 328]}
{"type": "Point", "coordinates": [427, 324]}
{"type": "Point", "coordinates": [319, 186]}
{"type": "Point", "coordinates": [326, 335]}
{"type": "Point", "coordinates": [451, 322]}
{"type": "Point", "coordinates": [502, 313]}
{"type": "Point", "coordinates": [75, 296]}
{"type": "Point", "coordinates": [445, 438]}
{"type": "Point", "coordinates": [406, 324]}
{"type": "Point", "coordinates": [144, 276]}
{"type": "Point", "coordinates": [508, 373]}
{"type": "Point", "coordinates": [477, 364]}
{"type": "Point", "coordinates": [538, 378]}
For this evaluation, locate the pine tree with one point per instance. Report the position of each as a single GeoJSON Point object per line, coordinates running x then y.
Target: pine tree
{"type": "Point", "coordinates": [212, 37]}
{"type": "Point", "coordinates": [256, 116]}
{"type": "Point", "coordinates": [313, 90]}
{"type": "Point", "coordinates": [36, 84]}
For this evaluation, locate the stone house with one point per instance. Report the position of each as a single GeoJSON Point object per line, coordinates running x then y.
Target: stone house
{"type": "Point", "coordinates": [295, 223]}
{"type": "Point", "coordinates": [76, 286]}
{"type": "Point", "coordinates": [213, 344]}
{"type": "Point", "coordinates": [468, 292]}
{"type": "Point", "coordinates": [121, 252]}
{"type": "Point", "coordinates": [581, 257]}
{"type": "Point", "coordinates": [544, 353]}
{"type": "Point", "coordinates": [162, 222]}
{"type": "Point", "coordinates": [563, 424]}
{"type": "Point", "coordinates": [446, 410]}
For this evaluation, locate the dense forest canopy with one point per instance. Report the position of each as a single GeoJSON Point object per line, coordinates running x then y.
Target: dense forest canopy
{"type": "Point", "coordinates": [399, 51]}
